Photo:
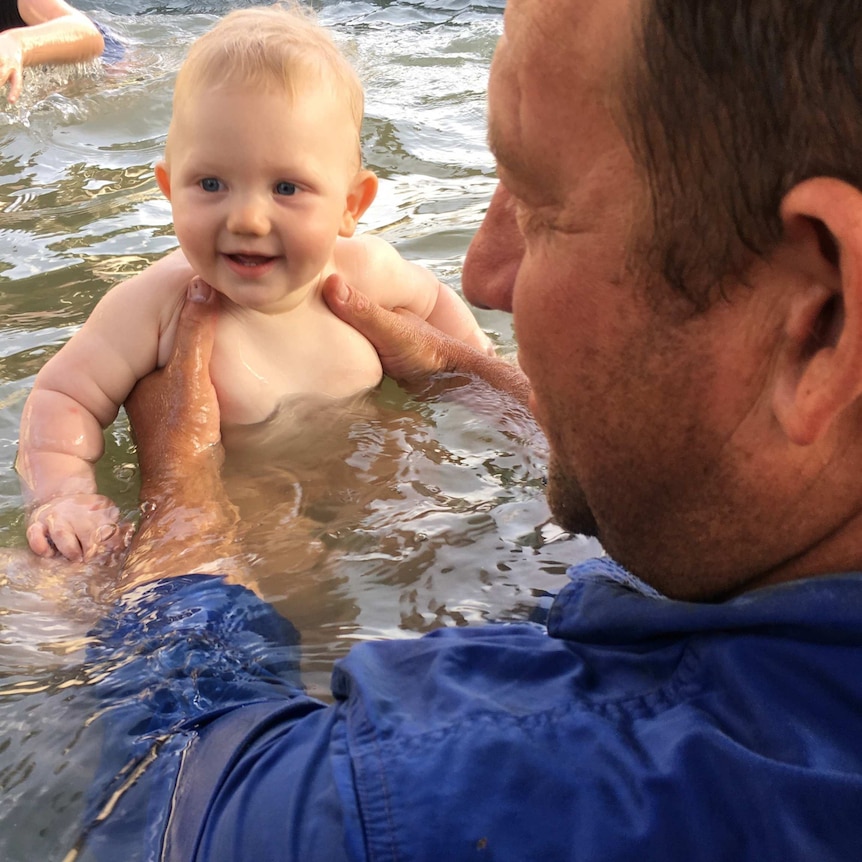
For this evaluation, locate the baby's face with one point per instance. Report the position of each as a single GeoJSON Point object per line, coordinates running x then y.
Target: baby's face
{"type": "Point", "coordinates": [259, 186]}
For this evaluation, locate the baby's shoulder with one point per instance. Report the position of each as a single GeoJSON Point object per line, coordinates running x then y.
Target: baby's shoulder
{"type": "Point", "coordinates": [154, 299]}
{"type": "Point", "coordinates": [365, 260]}
{"type": "Point", "coordinates": [159, 289]}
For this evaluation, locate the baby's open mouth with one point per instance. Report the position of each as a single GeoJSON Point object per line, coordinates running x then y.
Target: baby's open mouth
{"type": "Point", "coordinates": [250, 259]}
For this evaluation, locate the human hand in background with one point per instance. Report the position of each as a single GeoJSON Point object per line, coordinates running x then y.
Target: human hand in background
{"type": "Point", "coordinates": [53, 32]}
{"type": "Point", "coordinates": [11, 65]}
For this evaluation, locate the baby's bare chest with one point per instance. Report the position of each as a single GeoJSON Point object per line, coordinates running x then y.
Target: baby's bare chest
{"type": "Point", "coordinates": [256, 367]}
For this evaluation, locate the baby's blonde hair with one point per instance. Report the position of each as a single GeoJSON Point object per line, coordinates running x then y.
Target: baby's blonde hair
{"type": "Point", "coordinates": [270, 46]}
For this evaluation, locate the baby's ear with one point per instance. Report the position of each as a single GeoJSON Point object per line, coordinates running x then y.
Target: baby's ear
{"type": "Point", "coordinates": [362, 192]}
{"type": "Point", "coordinates": [163, 178]}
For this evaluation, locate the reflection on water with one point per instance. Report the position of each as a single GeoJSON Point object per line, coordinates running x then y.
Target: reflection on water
{"type": "Point", "coordinates": [386, 517]}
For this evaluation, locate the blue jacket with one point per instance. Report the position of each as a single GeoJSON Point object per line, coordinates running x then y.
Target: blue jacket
{"type": "Point", "coordinates": [634, 729]}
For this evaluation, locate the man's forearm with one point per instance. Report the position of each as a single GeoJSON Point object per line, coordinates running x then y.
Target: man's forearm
{"type": "Point", "coordinates": [506, 377]}
{"type": "Point", "coordinates": [188, 524]}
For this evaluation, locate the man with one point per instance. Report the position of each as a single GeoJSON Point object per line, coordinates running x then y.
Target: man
{"type": "Point", "coordinates": [687, 294]}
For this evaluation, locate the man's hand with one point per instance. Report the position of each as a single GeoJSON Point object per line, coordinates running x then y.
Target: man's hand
{"type": "Point", "coordinates": [189, 525]}
{"type": "Point", "coordinates": [173, 411]}
{"type": "Point", "coordinates": [411, 350]}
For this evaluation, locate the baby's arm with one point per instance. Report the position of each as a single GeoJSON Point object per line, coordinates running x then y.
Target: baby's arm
{"type": "Point", "coordinates": [373, 266]}
{"type": "Point", "coordinates": [77, 394]}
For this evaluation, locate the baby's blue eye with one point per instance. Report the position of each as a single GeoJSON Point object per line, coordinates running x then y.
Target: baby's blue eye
{"type": "Point", "coordinates": [210, 184]}
{"type": "Point", "coordinates": [285, 188]}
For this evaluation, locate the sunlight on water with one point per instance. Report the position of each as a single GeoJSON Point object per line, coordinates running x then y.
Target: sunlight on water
{"type": "Point", "coordinates": [388, 519]}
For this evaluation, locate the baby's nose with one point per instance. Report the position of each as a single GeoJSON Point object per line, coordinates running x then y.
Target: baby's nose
{"type": "Point", "coordinates": [249, 216]}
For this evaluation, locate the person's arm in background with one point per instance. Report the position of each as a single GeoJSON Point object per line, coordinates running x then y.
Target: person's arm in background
{"type": "Point", "coordinates": [55, 33]}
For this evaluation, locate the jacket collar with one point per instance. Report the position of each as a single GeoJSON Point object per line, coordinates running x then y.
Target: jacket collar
{"type": "Point", "coordinates": [604, 603]}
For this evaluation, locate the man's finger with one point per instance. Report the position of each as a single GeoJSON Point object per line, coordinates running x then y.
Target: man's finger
{"type": "Point", "coordinates": [188, 366]}
{"type": "Point", "coordinates": [407, 346]}
{"type": "Point", "coordinates": [377, 324]}
{"type": "Point", "coordinates": [411, 350]}
{"type": "Point", "coordinates": [196, 328]}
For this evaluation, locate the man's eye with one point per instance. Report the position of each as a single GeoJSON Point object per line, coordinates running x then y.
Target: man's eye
{"type": "Point", "coordinates": [210, 184]}
{"type": "Point", "coordinates": [531, 223]}
{"type": "Point", "coordinates": [528, 221]}
{"type": "Point", "coordinates": [285, 188]}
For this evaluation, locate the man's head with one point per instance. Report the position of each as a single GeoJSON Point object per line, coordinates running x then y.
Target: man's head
{"type": "Point", "coordinates": [697, 379]}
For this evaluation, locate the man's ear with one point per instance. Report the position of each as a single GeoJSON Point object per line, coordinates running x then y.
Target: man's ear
{"type": "Point", "coordinates": [362, 192]}
{"type": "Point", "coordinates": [820, 370]}
{"type": "Point", "coordinates": [163, 178]}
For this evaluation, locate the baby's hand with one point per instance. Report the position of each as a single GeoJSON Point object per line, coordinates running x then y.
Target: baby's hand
{"type": "Point", "coordinates": [79, 527]}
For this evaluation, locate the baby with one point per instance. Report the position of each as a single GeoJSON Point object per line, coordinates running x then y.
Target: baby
{"type": "Point", "coordinates": [263, 171]}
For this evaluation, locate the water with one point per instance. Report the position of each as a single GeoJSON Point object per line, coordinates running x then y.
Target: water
{"type": "Point", "coordinates": [387, 520]}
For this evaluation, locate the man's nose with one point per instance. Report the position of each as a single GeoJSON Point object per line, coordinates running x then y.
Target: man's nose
{"type": "Point", "coordinates": [494, 256]}
{"type": "Point", "coordinates": [249, 215]}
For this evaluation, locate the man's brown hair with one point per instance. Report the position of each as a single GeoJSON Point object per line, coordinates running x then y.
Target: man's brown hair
{"type": "Point", "coordinates": [728, 105]}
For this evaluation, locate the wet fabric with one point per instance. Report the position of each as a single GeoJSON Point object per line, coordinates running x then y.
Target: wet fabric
{"type": "Point", "coordinates": [114, 50]}
{"type": "Point", "coordinates": [633, 727]}
{"type": "Point", "coordinates": [10, 16]}
{"type": "Point", "coordinates": [171, 659]}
